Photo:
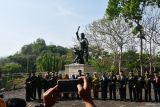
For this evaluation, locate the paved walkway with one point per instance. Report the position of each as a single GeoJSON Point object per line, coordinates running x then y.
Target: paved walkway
{"type": "Point", "coordinates": [20, 93]}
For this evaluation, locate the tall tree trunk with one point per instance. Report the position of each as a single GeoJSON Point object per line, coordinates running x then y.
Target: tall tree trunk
{"type": "Point", "coordinates": [150, 59]}
{"type": "Point", "coordinates": [114, 58]}
{"type": "Point", "coordinates": [141, 52]}
{"type": "Point", "coordinates": [120, 59]}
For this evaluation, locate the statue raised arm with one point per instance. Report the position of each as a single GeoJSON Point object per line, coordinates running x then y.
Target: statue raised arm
{"type": "Point", "coordinates": [77, 33]}
{"type": "Point", "coordinates": [83, 44]}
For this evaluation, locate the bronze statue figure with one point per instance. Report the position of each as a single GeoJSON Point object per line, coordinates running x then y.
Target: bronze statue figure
{"type": "Point", "coordinates": [83, 46]}
{"type": "Point", "coordinates": [79, 58]}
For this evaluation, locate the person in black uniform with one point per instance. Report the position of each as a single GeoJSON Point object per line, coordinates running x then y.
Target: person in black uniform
{"type": "Point", "coordinates": [28, 88]}
{"type": "Point", "coordinates": [139, 86]}
{"type": "Point", "coordinates": [147, 87]}
{"type": "Point", "coordinates": [79, 74]}
{"type": "Point", "coordinates": [53, 79]}
{"type": "Point", "coordinates": [34, 84]}
{"type": "Point", "coordinates": [156, 86]}
{"type": "Point", "coordinates": [122, 88]}
{"type": "Point", "coordinates": [104, 84]}
{"type": "Point", "coordinates": [112, 85]}
{"type": "Point", "coordinates": [89, 79]}
{"type": "Point", "coordinates": [39, 85]}
{"type": "Point", "coordinates": [46, 82]}
{"type": "Point", "coordinates": [132, 86]}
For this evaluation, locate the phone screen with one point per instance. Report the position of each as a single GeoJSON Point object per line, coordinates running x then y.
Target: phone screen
{"type": "Point", "coordinates": [68, 85]}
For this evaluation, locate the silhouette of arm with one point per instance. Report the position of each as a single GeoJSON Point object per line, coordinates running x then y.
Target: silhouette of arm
{"type": "Point", "coordinates": [87, 41]}
{"type": "Point", "coordinates": [77, 33]}
{"type": "Point", "coordinates": [84, 92]}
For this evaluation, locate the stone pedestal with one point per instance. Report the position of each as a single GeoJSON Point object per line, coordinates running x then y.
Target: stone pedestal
{"type": "Point", "coordinates": [73, 68]}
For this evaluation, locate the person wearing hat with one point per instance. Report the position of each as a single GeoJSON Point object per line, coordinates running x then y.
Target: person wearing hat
{"type": "Point", "coordinates": [147, 87]}
{"type": "Point", "coordinates": [156, 86]}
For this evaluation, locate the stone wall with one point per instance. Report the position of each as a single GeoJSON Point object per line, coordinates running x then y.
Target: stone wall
{"type": "Point", "coordinates": [73, 68]}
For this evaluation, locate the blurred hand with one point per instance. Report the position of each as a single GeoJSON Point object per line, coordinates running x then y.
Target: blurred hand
{"type": "Point", "coordinates": [50, 96]}
{"type": "Point", "coordinates": [84, 91]}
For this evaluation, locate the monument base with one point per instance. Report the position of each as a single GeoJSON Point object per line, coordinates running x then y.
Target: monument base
{"type": "Point", "coordinates": [73, 68]}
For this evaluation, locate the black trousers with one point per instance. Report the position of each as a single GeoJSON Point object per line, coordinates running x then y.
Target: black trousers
{"type": "Point", "coordinates": [112, 90]}
{"type": "Point", "coordinates": [34, 92]}
{"type": "Point", "coordinates": [122, 93]}
{"type": "Point", "coordinates": [139, 94]}
{"type": "Point", "coordinates": [132, 93]}
{"type": "Point", "coordinates": [39, 90]}
{"type": "Point", "coordinates": [104, 92]}
{"type": "Point", "coordinates": [157, 94]}
{"type": "Point", "coordinates": [148, 94]}
{"type": "Point", "coordinates": [28, 93]}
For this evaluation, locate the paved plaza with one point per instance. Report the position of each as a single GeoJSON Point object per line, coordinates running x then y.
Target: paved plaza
{"type": "Point", "coordinates": [20, 93]}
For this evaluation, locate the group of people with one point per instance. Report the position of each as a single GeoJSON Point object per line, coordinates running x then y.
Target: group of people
{"type": "Point", "coordinates": [50, 96]}
{"type": "Point", "coordinates": [41, 83]}
{"type": "Point", "coordinates": [37, 83]}
{"type": "Point", "coordinates": [111, 84]}
{"type": "Point", "coordinates": [107, 84]}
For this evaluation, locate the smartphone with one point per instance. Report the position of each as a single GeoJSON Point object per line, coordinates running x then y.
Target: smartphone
{"type": "Point", "coordinates": [68, 85]}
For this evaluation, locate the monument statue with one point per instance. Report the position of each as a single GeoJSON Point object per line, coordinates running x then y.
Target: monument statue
{"type": "Point", "coordinates": [83, 46]}
{"type": "Point", "coordinates": [79, 58]}
{"type": "Point", "coordinates": [80, 62]}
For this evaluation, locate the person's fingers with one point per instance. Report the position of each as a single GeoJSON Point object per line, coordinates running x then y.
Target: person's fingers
{"type": "Point", "coordinates": [54, 89]}
{"type": "Point", "coordinates": [85, 81]}
{"type": "Point", "coordinates": [85, 84]}
{"type": "Point", "coordinates": [49, 97]}
{"type": "Point", "coordinates": [79, 86]}
{"type": "Point", "coordinates": [51, 91]}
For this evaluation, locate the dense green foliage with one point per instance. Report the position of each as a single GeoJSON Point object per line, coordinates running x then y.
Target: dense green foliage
{"type": "Point", "coordinates": [133, 12]}
{"type": "Point", "coordinates": [11, 67]}
{"type": "Point", "coordinates": [47, 61]}
{"type": "Point", "coordinates": [36, 56]}
{"type": "Point", "coordinates": [130, 9]}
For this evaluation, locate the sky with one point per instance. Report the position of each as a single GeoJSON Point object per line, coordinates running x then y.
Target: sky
{"type": "Point", "coordinates": [55, 21]}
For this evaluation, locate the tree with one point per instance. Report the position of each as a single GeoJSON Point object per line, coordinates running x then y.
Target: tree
{"type": "Point", "coordinates": [48, 61]}
{"type": "Point", "coordinates": [38, 46]}
{"type": "Point", "coordinates": [94, 36]}
{"type": "Point", "coordinates": [61, 50]}
{"type": "Point", "coordinates": [119, 32]}
{"type": "Point", "coordinates": [130, 60]}
{"type": "Point", "coordinates": [44, 61]}
{"type": "Point", "coordinates": [133, 12]}
{"type": "Point", "coordinates": [152, 31]}
{"type": "Point", "coordinates": [113, 35]}
{"type": "Point", "coordinates": [27, 49]}
{"type": "Point", "coordinates": [11, 67]}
